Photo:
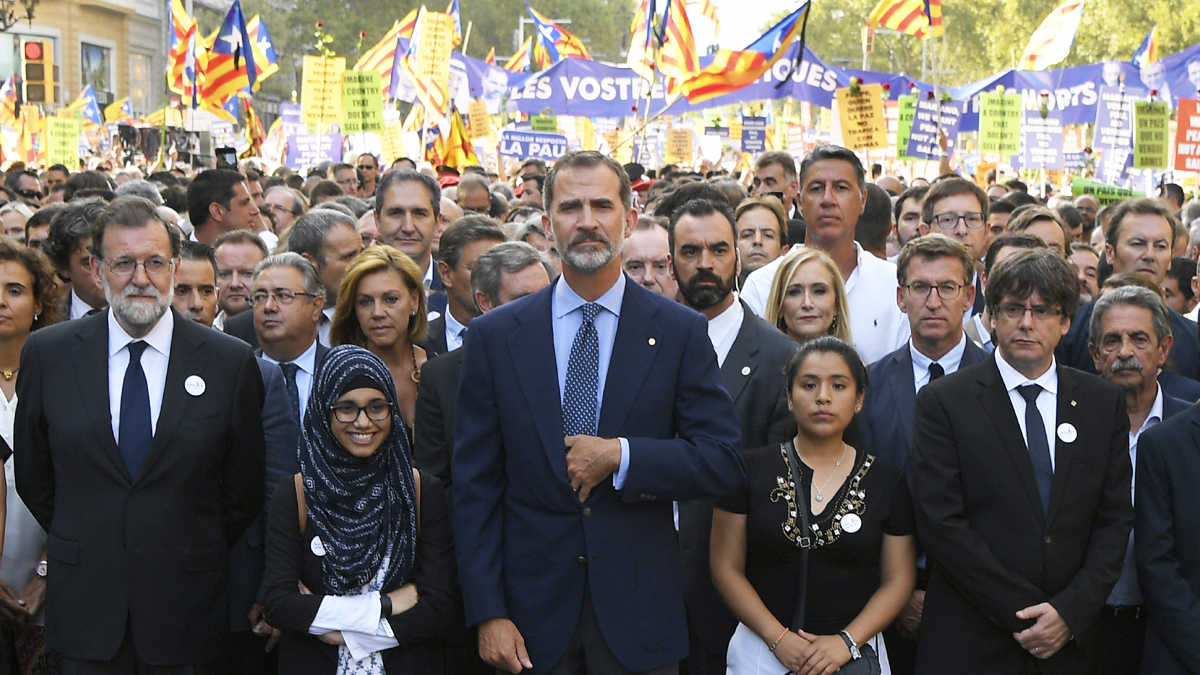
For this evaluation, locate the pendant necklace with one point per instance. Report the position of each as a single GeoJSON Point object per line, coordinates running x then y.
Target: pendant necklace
{"type": "Point", "coordinates": [821, 490]}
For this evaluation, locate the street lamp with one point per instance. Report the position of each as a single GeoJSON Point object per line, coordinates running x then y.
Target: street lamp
{"type": "Point", "coordinates": [9, 16]}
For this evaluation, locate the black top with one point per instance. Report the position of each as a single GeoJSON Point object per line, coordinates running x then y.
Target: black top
{"type": "Point", "coordinates": [843, 567]}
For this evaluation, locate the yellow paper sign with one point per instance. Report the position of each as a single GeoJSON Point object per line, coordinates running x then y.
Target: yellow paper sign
{"type": "Point", "coordinates": [735, 129]}
{"type": "Point", "coordinates": [321, 90]}
{"type": "Point", "coordinates": [679, 147]}
{"type": "Point", "coordinates": [981, 172]}
{"type": "Point", "coordinates": [620, 147]}
{"type": "Point", "coordinates": [362, 102]}
{"type": "Point", "coordinates": [478, 116]}
{"type": "Point", "coordinates": [432, 67]}
{"type": "Point", "coordinates": [393, 142]}
{"type": "Point", "coordinates": [861, 117]}
{"type": "Point", "coordinates": [62, 140]}
{"type": "Point", "coordinates": [587, 133]}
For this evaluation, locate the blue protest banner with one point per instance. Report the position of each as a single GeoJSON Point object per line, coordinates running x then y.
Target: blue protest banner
{"type": "Point", "coordinates": [526, 144]}
{"type": "Point", "coordinates": [1043, 141]}
{"type": "Point", "coordinates": [923, 138]}
{"type": "Point", "coordinates": [1114, 132]}
{"type": "Point", "coordinates": [306, 150]}
{"type": "Point", "coordinates": [754, 134]}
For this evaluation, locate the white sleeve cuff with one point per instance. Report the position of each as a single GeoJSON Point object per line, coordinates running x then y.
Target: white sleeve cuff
{"type": "Point", "coordinates": [358, 613]}
{"type": "Point", "coordinates": [362, 645]}
{"type": "Point", "coordinates": [619, 477]}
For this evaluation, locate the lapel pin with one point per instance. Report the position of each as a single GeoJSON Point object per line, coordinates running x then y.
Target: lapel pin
{"type": "Point", "coordinates": [745, 370]}
{"type": "Point", "coordinates": [194, 385]}
{"type": "Point", "coordinates": [851, 523]}
{"type": "Point", "coordinates": [317, 547]}
{"type": "Point", "coordinates": [652, 342]}
{"type": "Point", "coordinates": [1072, 404]}
{"type": "Point", "coordinates": [1067, 433]}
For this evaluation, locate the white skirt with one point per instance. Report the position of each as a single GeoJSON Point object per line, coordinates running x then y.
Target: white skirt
{"type": "Point", "coordinates": [749, 655]}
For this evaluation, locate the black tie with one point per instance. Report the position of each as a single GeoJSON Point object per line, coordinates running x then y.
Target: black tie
{"type": "Point", "coordinates": [136, 430]}
{"type": "Point", "coordinates": [1035, 440]}
{"type": "Point", "coordinates": [293, 392]}
{"type": "Point", "coordinates": [936, 371]}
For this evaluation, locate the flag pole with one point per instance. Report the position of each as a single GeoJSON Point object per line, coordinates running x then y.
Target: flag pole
{"type": "Point", "coordinates": [649, 46]}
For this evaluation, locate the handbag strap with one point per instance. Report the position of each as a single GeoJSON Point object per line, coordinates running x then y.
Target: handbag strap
{"type": "Point", "coordinates": [805, 539]}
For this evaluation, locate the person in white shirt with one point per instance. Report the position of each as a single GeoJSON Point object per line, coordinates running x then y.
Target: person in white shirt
{"type": "Point", "coordinates": [287, 298]}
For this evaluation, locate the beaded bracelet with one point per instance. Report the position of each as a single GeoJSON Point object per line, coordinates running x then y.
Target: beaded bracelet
{"type": "Point", "coordinates": [785, 632]}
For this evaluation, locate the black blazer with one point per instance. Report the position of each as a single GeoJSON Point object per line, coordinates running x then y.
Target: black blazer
{"type": "Point", "coordinates": [437, 400]}
{"type": "Point", "coordinates": [435, 299]}
{"type": "Point", "coordinates": [980, 519]}
{"type": "Point", "coordinates": [1178, 386]}
{"type": "Point", "coordinates": [147, 551]}
{"type": "Point", "coordinates": [753, 375]}
{"type": "Point", "coordinates": [290, 559]}
{"type": "Point", "coordinates": [886, 421]}
{"type": "Point", "coordinates": [434, 343]}
{"type": "Point", "coordinates": [1185, 353]}
{"type": "Point", "coordinates": [241, 326]}
{"type": "Point", "coordinates": [1168, 542]}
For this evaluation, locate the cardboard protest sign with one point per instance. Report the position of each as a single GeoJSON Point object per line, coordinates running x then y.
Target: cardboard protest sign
{"type": "Point", "coordinates": [362, 102]}
{"type": "Point", "coordinates": [321, 90]}
{"type": "Point", "coordinates": [1151, 120]}
{"type": "Point", "coordinates": [861, 117]}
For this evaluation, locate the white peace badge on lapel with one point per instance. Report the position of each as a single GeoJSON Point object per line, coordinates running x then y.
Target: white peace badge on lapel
{"type": "Point", "coordinates": [851, 523]}
{"type": "Point", "coordinates": [317, 547]}
{"type": "Point", "coordinates": [1067, 433]}
{"type": "Point", "coordinates": [194, 385]}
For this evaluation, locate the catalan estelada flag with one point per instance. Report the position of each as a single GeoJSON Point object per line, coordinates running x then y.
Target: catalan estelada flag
{"type": "Point", "coordinates": [8, 102]}
{"type": "Point", "coordinates": [1051, 42]}
{"type": "Point", "coordinates": [230, 60]}
{"type": "Point", "coordinates": [646, 39]}
{"type": "Point", "coordinates": [1147, 52]}
{"type": "Point", "coordinates": [264, 50]}
{"type": "Point", "coordinates": [434, 96]}
{"type": "Point", "coordinates": [181, 54]}
{"type": "Point", "coordinates": [90, 109]}
{"type": "Point", "coordinates": [118, 111]}
{"type": "Point", "coordinates": [906, 16]}
{"type": "Point", "coordinates": [678, 59]}
{"type": "Point", "coordinates": [554, 43]}
{"type": "Point", "coordinates": [454, 12]}
{"type": "Point", "coordinates": [731, 70]}
{"type": "Point", "coordinates": [519, 63]}
{"type": "Point", "coordinates": [382, 57]}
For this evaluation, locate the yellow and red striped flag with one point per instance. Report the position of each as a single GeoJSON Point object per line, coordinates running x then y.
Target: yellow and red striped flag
{"type": "Point", "coordinates": [1147, 52]}
{"type": "Point", "coordinates": [490, 59]}
{"type": "Point", "coordinates": [519, 63]}
{"type": "Point", "coordinates": [906, 16]}
{"type": "Point", "coordinates": [678, 59]}
{"type": "Point", "coordinates": [118, 111]}
{"type": "Point", "coordinates": [455, 149]}
{"type": "Point", "coordinates": [1051, 42]}
{"type": "Point", "coordinates": [645, 41]}
{"type": "Point", "coordinates": [230, 61]}
{"type": "Point", "coordinates": [731, 70]}
{"type": "Point", "coordinates": [382, 56]}
{"type": "Point", "coordinates": [709, 10]}
{"type": "Point", "coordinates": [8, 102]}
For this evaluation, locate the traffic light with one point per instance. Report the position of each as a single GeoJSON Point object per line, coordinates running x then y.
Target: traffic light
{"type": "Point", "coordinates": [37, 70]}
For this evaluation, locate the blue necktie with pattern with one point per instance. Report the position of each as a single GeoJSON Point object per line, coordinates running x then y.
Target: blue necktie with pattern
{"type": "Point", "coordinates": [579, 398]}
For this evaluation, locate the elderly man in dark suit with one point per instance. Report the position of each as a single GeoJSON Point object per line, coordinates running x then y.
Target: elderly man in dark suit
{"type": "Point", "coordinates": [751, 354]}
{"type": "Point", "coordinates": [141, 442]}
{"type": "Point", "coordinates": [1020, 474]}
{"type": "Point", "coordinates": [459, 247]}
{"type": "Point", "coordinates": [936, 292]}
{"type": "Point", "coordinates": [584, 410]}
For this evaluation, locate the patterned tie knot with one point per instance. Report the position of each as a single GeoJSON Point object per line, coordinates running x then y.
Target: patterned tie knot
{"type": "Point", "coordinates": [590, 310]}
{"type": "Point", "coordinates": [289, 369]}
{"type": "Point", "coordinates": [135, 350]}
{"type": "Point", "coordinates": [1030, 392]}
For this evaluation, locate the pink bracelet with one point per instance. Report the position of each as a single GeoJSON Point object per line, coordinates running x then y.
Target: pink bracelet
{"type": "Point", "coordinates": [785, 632]}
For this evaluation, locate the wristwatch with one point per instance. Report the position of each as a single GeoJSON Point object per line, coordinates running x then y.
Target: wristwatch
{"type": "Point", "coordinates": [41, 569]}
{"type": "Point", "coordinates": [855, 654]}
{"type": "Point", "coordinates": [385, 605]}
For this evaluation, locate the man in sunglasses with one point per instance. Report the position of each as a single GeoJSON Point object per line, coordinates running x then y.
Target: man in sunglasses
{"type": "Point", "coordinates": [368, 167]}
{"type": "Point", "coordinates": [26, 186]}
{"type": "Point", "coordinates": [958, 208]}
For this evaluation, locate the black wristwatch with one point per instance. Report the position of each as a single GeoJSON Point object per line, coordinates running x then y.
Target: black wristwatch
{"type": "Point", "coordinates": [385, 605]}
{"type": "Point", "coordinates": [855, 654]}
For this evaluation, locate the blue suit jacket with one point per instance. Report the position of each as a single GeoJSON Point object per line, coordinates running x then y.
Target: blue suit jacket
{"type": "Point", "coordinates": [886, 421]}
{"type": "Point", "coordinates": [526, 545]}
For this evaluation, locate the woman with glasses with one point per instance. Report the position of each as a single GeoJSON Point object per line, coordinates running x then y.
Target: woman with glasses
{"type": "Point", "coordinates": [808, 298]}
{"type": "Point", "coordinates": [381, 306]}
{"type": "Point", "coordinates": [360, 559]}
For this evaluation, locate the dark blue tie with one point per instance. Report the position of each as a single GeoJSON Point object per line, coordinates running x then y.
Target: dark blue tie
{"type": "Point", "coordinates": [579, 398]}
{"type": "Point", "coordinates": [135, 429]}
{"type": "Point", "coordinates": [293, 391]}
{"type": "Point", "coordinates": [1035, 440]}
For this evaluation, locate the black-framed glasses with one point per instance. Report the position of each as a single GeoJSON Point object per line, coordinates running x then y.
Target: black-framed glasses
{"type": "Point", "coordinates": [1014, 312]}
{"type": "Point", "coordinates": [948, 221]}
{"type": "Point", "coordinates": [367, 168]}
{"type": "Point", "coordinates": [29, 194]}
{"type": "Point", "coordinates": [347, 413]}
{"type": "Point", "coordinates": [947, 290]}
{"type": "Point", "coordinates": [126, 267]}
{"type": "Point", "coordinates": [283, 296]}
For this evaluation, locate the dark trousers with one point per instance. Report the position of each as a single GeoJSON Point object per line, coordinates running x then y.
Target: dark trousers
{"type": "Point", "coordinates": [1118, 639]}
{"type": "Point", "coordinates": [901, 652]}
{"type": "Point", "coordinates": [703, 658]}
{"type": "Point", "coordinates": [127, 662]}
{"type": "Point", "coordinates": [588, 655]}
{"type": "Point", "coordinates": [245, 654]}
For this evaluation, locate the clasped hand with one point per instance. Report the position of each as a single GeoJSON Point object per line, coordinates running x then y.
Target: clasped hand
{"type": "Point", "coordinates": [591, 460]}
{"type": "Point", "coordinates": [1047, 635]}
{"type": "Point", "coordinates": [808, 654]}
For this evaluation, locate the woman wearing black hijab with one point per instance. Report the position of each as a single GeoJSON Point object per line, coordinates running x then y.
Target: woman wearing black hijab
{"type": "Point", "coordinates": [360, 580]}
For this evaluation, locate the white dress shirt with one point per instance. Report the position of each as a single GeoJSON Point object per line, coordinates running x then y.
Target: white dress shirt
{"type": "Point", "coordinates": [79, 308]}
{"type": "Point", "coordinates": [154, 364]}
{"type": "Point", "coordinates": [1127, 592]}
{"type": "Point", "coordinates": [427, 282]}
{"type": "Point", "coordinates": [306, 367]}
{"type": "Point", "coordinates": [454, 332]}
{"type": "Point", "coordinates": [325, 325]}
{"type": "Point", "coordinates": [723, 329]}
{"type": "Point", "coordinates": [984, 334]}
{"type": "Point", "coordinates": [949, 362]}
{"type": "Point", "coordinates": [1047, 400]}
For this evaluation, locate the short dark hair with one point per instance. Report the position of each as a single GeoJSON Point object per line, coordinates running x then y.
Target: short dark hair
{"type": "Point", "coordinates": [164, 178]}
{"type": "Point", "coordinates": [1018, 198]}
{"type": "Point", "coordinates": [533, 161]}
{"type": "Point", "coordinates": [408, 176]}
{"type": "Point", "coordinates": [1013, 240]}
{"type": "Point", "coordinates": [214, 186]}
{"type": "Point", "coordinates": [587, 159]}
{"type": "Point", "coordinates": [464, 231]}
{"type": "Point", "coordinates": [309, 232]}
{"type": "Point", "coordinates": [69, 228]}
{"type": "Point", "coordinates": [129, 211]}
{"type": "Point", "coordinates": [875, 223]}
{"type": "Point", "coordinates": [85, 180]}
{"type": "Point", "coordinates": [778, 157]}
{"type": "Point", "coordinates": [1015, 185]}
{"type": "Point", "coordinates": [1025, 216]}
{"type": "Point", "coordinates": [734, 194]}
{"type": "Point", "coordinates": [1143, 206]}
{"type": "Point", "coordinates": [827, 344]}
{"type": "Point", "coordinates": [1001, 206]}
{"type": "Point", "coordinates": [824, 152]}
{"type": "Point", "coordinates": [932, 247]}
{"type": "Point", "coordinates": [1182, 270]}
{"type": "Point", "coordinates": [44, 215]}
{"type": "Point", "coordinates": [1040, 271]}
{"type": "Point", "coordinates": [1070, 215]}
{"type": "Point", "coordinates": [917, 193]}
{"type": "Point", "coordinates": [1173, 190]}
{"type": "Point", "coordinates": [59, 168]}
{"type": "Point", "coordinates": [324, 188]}
{"type": "Point", "coordinates": [199, 252]}
{"type": "Point", "coordinates": [698, 208]}
{"type": "Point", "coordinates": [241, 237]}
{"type": "Point", "coordinates": [673, 200]}
{"type": "Point", "coordinates": [951, 187]}
{"type": "Point", "coordinates": [12, 180]}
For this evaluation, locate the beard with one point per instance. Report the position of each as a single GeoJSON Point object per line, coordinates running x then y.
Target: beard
{"type": "Point", "coordinates": [701, 298]}
{"type": "Point", "coordinates": [591, 261]}
{"type": "Point", "coordinates": [136, 313]}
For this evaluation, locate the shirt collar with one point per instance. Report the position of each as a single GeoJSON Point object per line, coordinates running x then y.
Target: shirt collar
{"type": "Point", "coordinates": [78, 306]}
{"type": "Point", "coordinates": [985, 336]}
{"type": "Point", "coordinates": [566, 300]}
{"type": "Point", "coordinates": [727, 320]}
{"type": "Point", "coordinates": [1156, 410]}
{"type": "Point", "coordinates": [949, 362]}
{"type": "Point", "coordinates": [1013, 379]}
{"type": "Point", "coordinates": [159, 337]}
{"type": "Point", "coordinates": [453, 325]}
{"type": "Point", "coordinates": [428, 280]}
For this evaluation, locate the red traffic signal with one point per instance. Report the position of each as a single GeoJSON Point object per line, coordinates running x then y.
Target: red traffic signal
{"type": "Point", "coordinates": [33, 51]}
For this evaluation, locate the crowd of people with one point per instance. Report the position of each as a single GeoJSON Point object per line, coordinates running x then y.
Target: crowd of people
{"type": "Point", "coordinates": [591, 420]}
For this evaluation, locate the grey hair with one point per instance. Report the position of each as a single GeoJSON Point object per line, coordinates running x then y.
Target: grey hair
{"type": "Point", "coordinates": [1135, 296]}
{"type": "Point", "coordinates": [312, 282]}
{"type": "Point", "coordinates": [511, 257]}
{"type": "Point", "coordinates": [141, 188]}
{"type": "Point", "coordinates": [1190, 214]}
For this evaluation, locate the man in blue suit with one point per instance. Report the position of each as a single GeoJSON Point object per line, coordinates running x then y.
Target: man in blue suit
{"type": "Point", "coordinates": [583, 411]}
{"type": "Point", "coordinates": [936, 292]}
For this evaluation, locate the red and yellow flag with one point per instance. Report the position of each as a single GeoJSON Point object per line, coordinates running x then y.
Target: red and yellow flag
{"type": "Point", "coordinates": [731, 70]}
{"type": "Point", "coordinates": [678, 59]}
{"type": "Point", "coordinates": [1051, 42]}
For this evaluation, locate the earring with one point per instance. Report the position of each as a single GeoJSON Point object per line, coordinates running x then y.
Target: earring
{"type": "Point", "coordinates": [833, 326]}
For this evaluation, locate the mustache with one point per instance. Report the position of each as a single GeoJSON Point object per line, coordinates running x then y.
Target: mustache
{"type": "Point", "coordinates": [132, 290]}
{"type": "Point", "coordinates": [588, 236]}
{"type": "Point", "coordinates": [1122, 365]}
{"type": "Point", "coordinates": [705, 275]}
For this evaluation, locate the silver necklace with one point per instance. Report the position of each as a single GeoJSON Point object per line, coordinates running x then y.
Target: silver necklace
{"type": "Point", "coordinates": [821, 490]}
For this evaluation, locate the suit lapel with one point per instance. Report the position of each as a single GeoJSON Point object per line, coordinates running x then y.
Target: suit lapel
{"type": "Point", "coordinates": [1066, 413]}
{"type": "Point", "coordinates": [91, 363]}
{"type": "Point", "coordinates": [1000, 410]}
{"type": "Point", "coordinates": [904, 392]}
{"type": "Point", "coordinates": [740, 363]}
{"type": "Point", "coordinates": [632, 354]}
{"type": "Point", "coordinates": [187, 359]}
{"type": "Point", "coordinates": [532, 350]}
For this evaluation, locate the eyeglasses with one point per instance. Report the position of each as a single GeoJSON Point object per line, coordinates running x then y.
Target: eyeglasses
{"type": "Point", "coordinates": [29, 194]}
{"type": "Point", "coordinates": [1015, 312]}
{"type": "Point", "coordinates": [280, 209]}
{"type": "Point", "coordinates": [126, 267]}
{"type": "Point", "coordinates": [947, 290]}
{"type": "Point", "coordinates": [346, 413]}
{"type": "Point", "coordinates": [948, 221]}
{"type": "Point", "coordinates": [282, 295]}
{"type": "Point", "coordinates": [366, 167]}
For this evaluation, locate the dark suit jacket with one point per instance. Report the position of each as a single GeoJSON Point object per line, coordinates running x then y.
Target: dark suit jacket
{"type": "Point", "coordinates": [290, 559]}
{"type": "Point", "coordinates": [241, 326]}
{"type": "Point", "coordinates": [1168, 542]}
{"type": "Point", "coordinates": [436, 298]}
{"type": "Point", "coordinates": [148, 550]}
{"type": "Point", "coordinates": [753, 375]}
{"type": "Point", "coordinates": [434, 343]}
{"type": "Point", "coordinates": [1178, 386]}
{"type": "Point", "coordinates": [886, 420]}
{"type": "Point", "coordinates": [980, 519]}
{"type": "Point", "coordinates": [1185, 353]}
{"type": "Point", "coordinates": [437, 399]}
{"type": "Point", "coordinates": [528, 545]}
